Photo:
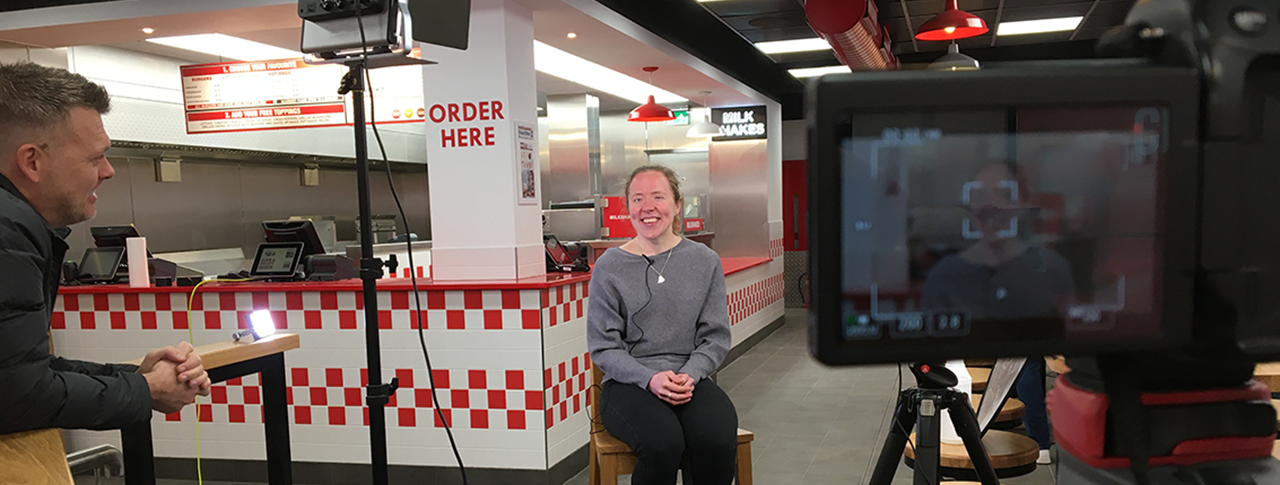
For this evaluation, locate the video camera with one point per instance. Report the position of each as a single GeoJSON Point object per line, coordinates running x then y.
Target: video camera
{"type": "Point", "coordinates": [1070, 207]}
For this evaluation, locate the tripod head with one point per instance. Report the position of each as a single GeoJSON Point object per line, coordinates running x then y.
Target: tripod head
{"type": "Point", "coordinates": [933, 376]}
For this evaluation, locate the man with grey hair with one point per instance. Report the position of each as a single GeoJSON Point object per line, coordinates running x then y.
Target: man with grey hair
{"type": "Point", "coordinates": [52, 159]}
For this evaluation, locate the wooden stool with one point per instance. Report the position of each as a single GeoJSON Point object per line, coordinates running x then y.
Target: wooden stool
{"type": "Point", "coordinates": [980, 377]}
{"type": "Point", "coordinates": [609, 456]}
{"type": "Point", "coordinates": [1011, 454]}
{"type": "Point", "coordinates": [34, 457]}
{"type": "Point", "coordinates": [1057, 364]}
{"type": "Point", "coordinates": [1268, 373]}
{"type": "Point", "coordinates": [1011, 412]}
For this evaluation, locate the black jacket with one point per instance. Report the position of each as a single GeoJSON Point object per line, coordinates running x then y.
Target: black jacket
{"type": "Point", "coordinates": [38, 390]}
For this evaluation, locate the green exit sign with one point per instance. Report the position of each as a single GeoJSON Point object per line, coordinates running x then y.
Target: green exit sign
{"type": "Point", "coordinates": [682, 117]}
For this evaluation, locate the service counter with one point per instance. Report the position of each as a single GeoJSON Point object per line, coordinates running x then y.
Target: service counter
{"type": "Point", "coordinates": [509, 357]}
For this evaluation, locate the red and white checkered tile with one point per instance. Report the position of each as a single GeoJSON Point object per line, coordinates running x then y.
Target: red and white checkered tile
{"type": "Point", "coordinates": [312, 310]}
{"type": "Point", "coordinates": [469, 399]}
{"type": "Point", "coordinates": [567, 384]}
{"type": "Point", "coordinates": [755, 297]}
{"type": "Point", "coordinates": [564, 303]}
{"type": "Point", "coordinates": [776, 248]}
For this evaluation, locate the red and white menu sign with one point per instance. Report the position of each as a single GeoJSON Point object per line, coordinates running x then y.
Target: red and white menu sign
{"type": "Point", "coordinates": [261, 95]}
{"type": "Point", "coordinates": [289, 93]}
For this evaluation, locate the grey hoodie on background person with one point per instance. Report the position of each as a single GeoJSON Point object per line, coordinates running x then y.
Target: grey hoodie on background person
{"type": "Point", "coordinates": [682, 327]}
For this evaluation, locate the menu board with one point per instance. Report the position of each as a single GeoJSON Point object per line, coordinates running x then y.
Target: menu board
{"type": "Point", "coordinates": [289, 93]}
{"type": "Point", "coordinates": [398, 95]}
{"type": "Point", "coordinates": [261, 95]}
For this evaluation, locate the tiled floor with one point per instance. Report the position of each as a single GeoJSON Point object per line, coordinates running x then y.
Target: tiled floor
{"type": "Point", "coordinates": [814, 425]}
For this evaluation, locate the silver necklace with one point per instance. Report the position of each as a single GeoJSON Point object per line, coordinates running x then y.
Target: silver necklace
{"type": "Point", "coordinates": [664, 266]}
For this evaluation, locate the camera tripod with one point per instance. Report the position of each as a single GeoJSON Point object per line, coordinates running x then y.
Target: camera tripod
{"type": "Point", "coordinates": [919, 407]}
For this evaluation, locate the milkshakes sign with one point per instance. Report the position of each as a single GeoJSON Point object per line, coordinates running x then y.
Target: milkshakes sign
{"type": "Point", "coordinates": [746, 123]}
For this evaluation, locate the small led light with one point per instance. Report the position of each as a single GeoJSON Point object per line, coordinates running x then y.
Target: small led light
{"type": "Point", "coordinates": [261, 326]}
{"type": "Point", "coordinates": [949, 30]}
{"type": "Point", "coordinates": [571, 35]}
{"type": "Point", "coordinates": [148, 30]}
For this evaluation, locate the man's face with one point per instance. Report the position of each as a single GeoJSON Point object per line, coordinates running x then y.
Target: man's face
{"type": "Point", "coordinates": [77, 164]}
{"type": "Point", "coordinates": [993, 200]}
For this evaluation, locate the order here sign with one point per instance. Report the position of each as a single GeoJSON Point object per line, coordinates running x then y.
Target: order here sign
{"type": "Point", "coordinates": [464, 124]}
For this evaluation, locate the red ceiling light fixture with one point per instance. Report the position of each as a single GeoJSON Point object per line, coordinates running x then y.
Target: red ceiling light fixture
{"type": "Point", "coordinates": [651, 111]}
{"type": "Point", "coordinates": [952, 24]}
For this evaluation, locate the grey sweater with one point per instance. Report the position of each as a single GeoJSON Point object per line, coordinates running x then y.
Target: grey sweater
{"type": "Point", "coordinates": [684, 327]}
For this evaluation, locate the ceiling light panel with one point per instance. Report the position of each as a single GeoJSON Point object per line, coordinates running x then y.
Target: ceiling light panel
{"type": "Point", "coordinates": [555, 62]}
{"type": "Point", "coordinates": [227, 46]}
{"type": "Point", "coordinates": [1023, 27]}
{"type": "Point", "coordinates": [818, 71]}
{"type": "Point", "coordinates": [795, 45]}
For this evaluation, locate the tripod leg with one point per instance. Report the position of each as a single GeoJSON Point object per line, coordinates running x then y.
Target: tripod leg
{"type": "Point", "coordinates": [896, 441]}
{"type": "Point", "coordinates": [928, 442]}
{"type": "Point", "coordinates": [966, 424]}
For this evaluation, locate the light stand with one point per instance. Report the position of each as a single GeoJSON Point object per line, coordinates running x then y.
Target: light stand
{"type": "Point", "coordinates": [921, 407]}
{"type": "Point", "coordinates": [336, 32]}
{"type": "Point", "coordinates": [377, 394]}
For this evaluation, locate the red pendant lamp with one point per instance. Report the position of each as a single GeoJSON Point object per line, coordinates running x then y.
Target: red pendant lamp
{"type": "Point", "coordinates": [952, 24]}
{"type": "Point", "coordinates": [651, 111]}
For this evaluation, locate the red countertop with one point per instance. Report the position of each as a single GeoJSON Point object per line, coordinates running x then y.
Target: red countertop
{"type": "Point", "coordinates": [550, 280]}
{"type": "Point", "coordinates": [734, 265]}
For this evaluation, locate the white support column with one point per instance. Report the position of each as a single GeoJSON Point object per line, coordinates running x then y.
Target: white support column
{"type": "Point", "coordinates": [474, 100]}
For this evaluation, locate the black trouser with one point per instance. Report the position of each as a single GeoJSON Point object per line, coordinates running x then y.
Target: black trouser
{"type": "Point", "coordinates": [701, 435]}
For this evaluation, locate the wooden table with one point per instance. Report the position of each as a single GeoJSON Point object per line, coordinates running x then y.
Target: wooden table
{"type": "Point", "coordinates": [224, 361]}
{"type": "Point", "coordinates": [33, 457]}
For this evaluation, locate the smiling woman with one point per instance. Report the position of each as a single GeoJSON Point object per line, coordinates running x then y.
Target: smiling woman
{"type": "Point", "coordinates": [656, 341]}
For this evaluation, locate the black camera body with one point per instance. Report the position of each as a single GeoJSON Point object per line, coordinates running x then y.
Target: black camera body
{"type": "Point", "coordinates": [1121, 205]}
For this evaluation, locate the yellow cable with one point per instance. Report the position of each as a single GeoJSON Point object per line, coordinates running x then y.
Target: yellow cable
{"type": "Point", "coordinates": [192, 340]}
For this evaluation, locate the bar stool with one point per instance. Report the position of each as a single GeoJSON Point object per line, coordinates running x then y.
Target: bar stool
{"type": "Point", "coordinates": [980, 377]}
{"type": "Point", "coordinates": [610, 457]}
{"type": "Point", "coordinates": [1010, 415]}
{"type": "Point", "coordinates": [1011, 454]}
{"type": "Point", "coordinates": [987, 363]}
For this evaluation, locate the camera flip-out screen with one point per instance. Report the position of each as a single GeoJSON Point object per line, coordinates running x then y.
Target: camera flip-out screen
{"type": "Point", "coordinates": [1000, 213]}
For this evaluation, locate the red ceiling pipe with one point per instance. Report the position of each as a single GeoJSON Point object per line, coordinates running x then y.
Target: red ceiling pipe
{"type": "Point", "coordinates": [852, 29]}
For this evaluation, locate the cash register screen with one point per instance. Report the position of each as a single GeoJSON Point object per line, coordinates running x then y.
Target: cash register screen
{"type": "Point", "coordinates": [1020, 224]}
{"type": "Point", "coordinates": [276, 259]}
{"type": "Point", "coordinates": [100, 264]}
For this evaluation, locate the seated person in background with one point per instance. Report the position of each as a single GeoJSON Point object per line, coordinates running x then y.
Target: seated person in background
{"type": "Point", "coordinates": [657, 326]}
{"type": "Point", "coordinates": [1002, 280]}
{"type": "Point", "coordinates": [52, 160]}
